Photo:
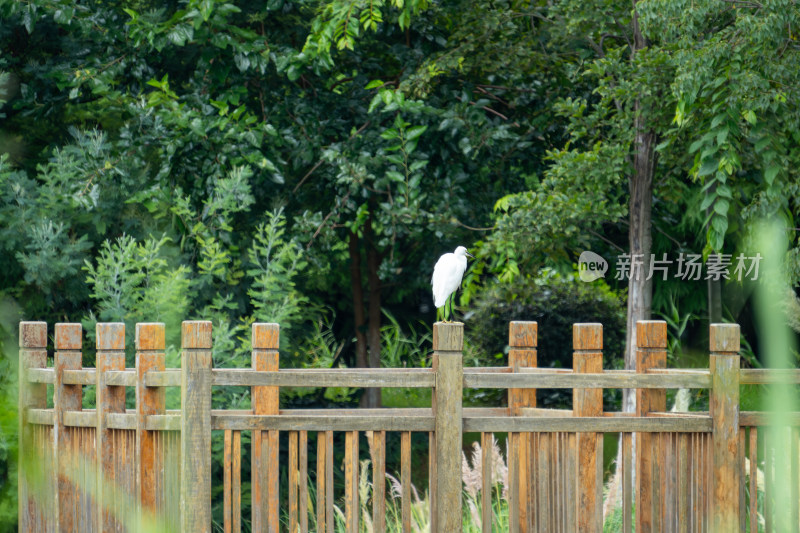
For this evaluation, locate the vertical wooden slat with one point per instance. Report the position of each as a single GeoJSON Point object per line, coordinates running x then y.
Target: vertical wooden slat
{"type": "Point", "coordinates": [683, 483]}
{"type": "Point", "coordinates": [265, 401]}
{"type": "Point", "coordinates": [329, 482]}
{"type": "Point", "coordinates": [627, 489]}
{"type": "Point", "coordinates": [196, 426]}
{"type": "Point", "coordinates": [448, 341]}
{"type": "Point", "coordinates": [321, 454]}
{"type": "Point", "coordinates": [150, 345]}
{"type": "Point", "coordinates": [486, 482]}
{"type": "Point", "coordinates": [522, 342]}
{"type": "Point", "coordinates": [432, 477]}
{"type": "Point", "coordinates": [32, 354]}
{"type": "Point", "coordinates": [742, 482]}
{"type": "Point", "coordinates": [513, 482]}
{"type": "Point", "coordinates": [293, 485]}
{"type": "Point", "coordinates": [110, 343]}
{"type": "Point", "coordinates": [351, 509]}
{"type": "Point", "coordinates": [236, 481]}
{"type": "Point", "coordinates": [587, 341]}
{"type": "Point", "coordinates": [768, 438]}
{"type": "Point", "coordinates": [66, 398]}
{"type": "Point", "coordinates": [572, 477]}
{"type": "Point", "coordinates": [753, 479]}
{"type": "Point", "coordinates": [724, 411]}
{"type": "Point", "coordinates": [651, 344]}
{"type": "Point", "coordinates": [379, 481]}
{"type": "Point", "coordinates": [405, 480]}
{"type": "Point", "coordinates": [543, 478]}
{"type": "Point", "coordinates": [794, 477]}
{"type": "Point", "coordinates": [227, 482]}
{"type": "Point", "coordinates": [303, 474]}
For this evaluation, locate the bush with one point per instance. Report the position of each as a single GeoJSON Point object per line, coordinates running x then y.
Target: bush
{"type": "Point", "coordinates": [556, 302]}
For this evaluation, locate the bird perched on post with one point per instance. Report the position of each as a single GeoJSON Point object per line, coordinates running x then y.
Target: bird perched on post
{"type": "Point", "coordinates": [447, 275]}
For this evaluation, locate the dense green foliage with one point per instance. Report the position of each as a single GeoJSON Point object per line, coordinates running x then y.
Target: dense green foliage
{"type": "Point", "coordinates": [307, 162]}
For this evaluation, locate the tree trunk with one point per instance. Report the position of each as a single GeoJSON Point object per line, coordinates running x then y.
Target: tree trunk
{"type": "Point", "coordinates": [358, 301]}
{"type": "Point", "coordinates": [372, 397]}
{"type": "Point", "coordinates": [640, 289]}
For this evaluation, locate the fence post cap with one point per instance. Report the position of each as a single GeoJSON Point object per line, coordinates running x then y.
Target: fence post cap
{"type": "Point", "coordinates": [523, 334]}
{"type": "Point", "coordinates": [587, 336]}
{"type": "Point", "coordinates": [33, 334]}
{"type": "Point", "coordinates": [68, 336]}
{"type": "Point", "coordinates": [150, 336]}
{"type": "Point", "coordinates": [723, 338]}
{"type": "Point", "coordinates": [109, 335]}
{"type": "Point", "coordinates": [196, 334]}
{"type": "Point", "coordinates": [651, 334]}
{"type": "Point", "coordinates": [448, 336]}
{"type": "Point", "coordinates": [265, 336]}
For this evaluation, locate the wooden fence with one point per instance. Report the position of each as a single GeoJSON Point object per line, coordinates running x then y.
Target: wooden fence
{"type": "Point", "coordinates": [99, 469]}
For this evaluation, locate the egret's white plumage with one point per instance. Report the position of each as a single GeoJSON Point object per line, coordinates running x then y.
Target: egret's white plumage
{"type": "Point", "coordinates": [447, 275]}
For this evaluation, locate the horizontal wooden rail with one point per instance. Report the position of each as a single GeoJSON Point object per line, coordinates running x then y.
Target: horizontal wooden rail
{"type": "Point", "coordinates": [769, 376]}
{"type": "Point", "coordinates": [41, 375]}
{"type": "Point", "coordinates": [533, 380]}
{"type": "Point", "coordinates": [85, 376]}
{"type": "Point", "coordinates": [587, 424]}
{"type": "Point", "coordinates": [125, 378]}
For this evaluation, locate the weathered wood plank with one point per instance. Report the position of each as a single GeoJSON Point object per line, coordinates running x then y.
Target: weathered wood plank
{"type": "Point", "coordinates": [150, 346]}
{"type": "Point", "coordinates": [265, 340]}
{"type": "Point", "coordinates": [753, 479]}
{"type": "Point", "coordinates": [760, 419]}
{"type": "Point", "coordinates": [587, 341]}
{"type": "Point", "coordinates": [333, 377]}
{"type": "Point", "coordinates": [66, 398]}
{"type": "Point", "coordinates": [627, 488]}
{"type": "Point", "coordinates": [651, 343]}
{"type": "Point", "coordinates": [522, 341]}
{"type": "Point", "coordinates": [322, 423]}
{"type": "Point", "coordinates": [227, 482]}
{"type": "Point", "coordinates": [84, 376]}
{"type": "Point", "coordinates": [447, 363]}
{"type": "Point", "coordinates": [526, 379]}
{"type": "Point", "coordinates": [486, 482]}
{"type": "Point", "coordinates": [196, 426]}
{"type": "Point", "coordinates": [32, 396]}
{"type": "Point", "coordinates": [303, 475]}
{"type": "Point", "coordinates": [588, 424]}
{"type": "Point", "coordinates": [769, 376]}
{"type": "Point", "coordinates": [724, 409]}
{"type": "Point", "coordinates": [321, 454]}
{"type": "Point", "coordinates": [405, 481]}
{"type": "Point", "coordinates": [39, 375]}
{"type": "Point", "coordinates": [293, 482]}
{"type": "Point", "coordinates": [378, 452]}
{"type": "Point", "coordinates": [329, 521]}
{"type": "Point", "coordinates": [351, 507]}
{"type": "Point", "coordinates": [110, 345]}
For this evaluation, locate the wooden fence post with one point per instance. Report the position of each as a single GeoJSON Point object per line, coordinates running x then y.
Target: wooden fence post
{"type": "Point", "coordinates": [522, 341]}
{"type": "Point", "coordinates": [448, 340]}
{"type": "Point", "coordinates": [32, 354]}
{"type": "Point", "coordinates": [587, 343]}
{"type": "Point", "coordinates": [110, 345]}
{"type": "Point", "coordinates": [150, 345]}
{"type": "Point", "coordinates": [724, 410]}
{"type": "Point", "coordinates": [196, 427]}
{"type": "Point", "coordinates": [264, 462]}
{"type": "Point", "coordinates": [66, 398]}
{"type": "Point", "coordinates": [651, 352]}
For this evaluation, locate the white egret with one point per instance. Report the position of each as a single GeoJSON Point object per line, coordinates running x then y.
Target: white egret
{"type": "Point", "coordinates": [447, 275]}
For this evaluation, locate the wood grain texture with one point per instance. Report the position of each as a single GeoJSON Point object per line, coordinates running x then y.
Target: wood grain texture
{"type": "Point", "coordinates": [486, 482]}
{"type": "Point", "coordinates": [110, 344]}
{"type": "Point", "coordinates": [447, 363]}
{"type": "Point", "coordinates": [651, 344]}
{"type": "Point", "coordinates": [196, 426]}
{"type": "Point", "coordinates": [150, 346]}
{"type": "Point", "coordinates": [627, 488]}
{"type": "Point", "coordinates": [66, 439]}
{"type": "Point", "coordinates": [293, 481]}
{"type": "Point", "coordinates": [753, 479]}
{"type": "Point", "coordinates": [329, 521]}
{"type": "Point", "coordinates": [522, 340]}
{"type": "Point", "coordinates": [378, 452]}
{"type": "Point", "coordinates": [32, 355]}
{"type": "Point", "coordinates": [321, 454]}
{"type": "Point", "coordinates": [724, 410]}
{"type": "Point", "coordinates": [265, 340]}
{"type": "Point", "coordinates": [351, 507]}
{"type": "Point", "coordinates": [405, 481]}
{"type": "Point", "coordinates": [232, 497]}
{"type": "Point", "coordinates": [532, 378]}
{"type": "Point", "coordinates": [303, 475]}
{"type": "Point", "coordinates": [587, 340]}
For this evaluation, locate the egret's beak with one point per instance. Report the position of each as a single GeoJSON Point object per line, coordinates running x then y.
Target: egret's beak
{"type": "Point", "coordinates": [469, 254]}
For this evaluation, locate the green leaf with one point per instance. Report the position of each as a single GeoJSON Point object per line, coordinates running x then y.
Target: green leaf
{"type": "Point", "coordinates": [373, 84]}
{"type": "Point", "coordinates": [415, 132]}
{"type": "Point", "coordinates": [770, 173]}
{"type": "Point", "coordinates": [721, 207]}
{"type": "Point", "coordinates": [749, 116]}
{"type": "Point", "coordinates": [709, 166]}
